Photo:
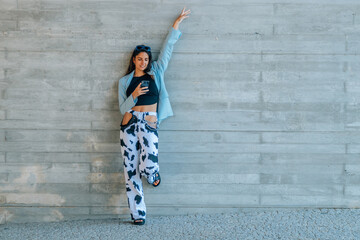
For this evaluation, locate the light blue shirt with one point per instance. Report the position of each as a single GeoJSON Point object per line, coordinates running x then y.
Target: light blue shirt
{"type": "Point", "coordinates": [158, 68]}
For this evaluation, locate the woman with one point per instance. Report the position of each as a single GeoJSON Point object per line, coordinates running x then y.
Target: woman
{"type": "Point", "coordinates": [144, 103]}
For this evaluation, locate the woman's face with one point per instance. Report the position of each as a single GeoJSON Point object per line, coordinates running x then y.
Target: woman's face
{"type": "Point", "coordinates": [141, 61]}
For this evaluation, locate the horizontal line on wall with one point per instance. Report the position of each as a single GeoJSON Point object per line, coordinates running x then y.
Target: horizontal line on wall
{"type": "Point", "coordinates": [191, 53]}
{"type": "Point", "coordinates": [189, 206]}
{"type": "Point", "coordinates": [172, 130]}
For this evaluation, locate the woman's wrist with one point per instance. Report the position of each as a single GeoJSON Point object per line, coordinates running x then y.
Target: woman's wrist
{"type": "Point", "coordinates": [176, 25]}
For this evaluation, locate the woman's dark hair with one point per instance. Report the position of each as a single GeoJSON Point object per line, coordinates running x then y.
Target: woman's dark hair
{"type": "Point", "coordinates": [134, 54]}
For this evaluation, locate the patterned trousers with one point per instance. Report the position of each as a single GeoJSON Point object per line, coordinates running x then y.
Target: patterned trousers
{"type": "Point", "coordinates": [139, 148]}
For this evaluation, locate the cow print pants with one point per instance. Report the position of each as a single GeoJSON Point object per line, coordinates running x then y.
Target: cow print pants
{"type": "Point", "coordinates": [139, 149]}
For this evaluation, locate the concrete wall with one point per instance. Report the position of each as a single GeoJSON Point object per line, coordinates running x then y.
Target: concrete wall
{"type": "Point", "coordinates": [265, 95]}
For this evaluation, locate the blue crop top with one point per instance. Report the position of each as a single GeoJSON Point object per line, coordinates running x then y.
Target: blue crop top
{"type": "Point", "coordinates": [150, 97]}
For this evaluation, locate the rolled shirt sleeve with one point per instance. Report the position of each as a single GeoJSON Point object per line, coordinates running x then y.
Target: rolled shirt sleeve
{"type": "Point", "coordinates": [125, 103]}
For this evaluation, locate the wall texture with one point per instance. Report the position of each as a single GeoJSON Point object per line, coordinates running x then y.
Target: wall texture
{"type": "Point", "coordinates": [265, 95]}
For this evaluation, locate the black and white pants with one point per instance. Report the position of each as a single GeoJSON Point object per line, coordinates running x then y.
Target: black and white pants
{"type": "Point", "coordinates": [139, 148]}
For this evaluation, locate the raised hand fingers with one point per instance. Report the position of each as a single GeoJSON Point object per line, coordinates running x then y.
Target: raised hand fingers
{"type": "Point", "coordinates": [185, 12]}
{"type": "Point", "coordinates": [184, 15]}
{"type": "Point", "coordinates": [181, 17]}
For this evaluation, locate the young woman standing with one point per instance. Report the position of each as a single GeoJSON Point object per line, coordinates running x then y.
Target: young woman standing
{"type": "Point", "coordinates": [144, 103]}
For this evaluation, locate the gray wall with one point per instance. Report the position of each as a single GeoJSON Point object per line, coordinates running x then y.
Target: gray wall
{"type": "Point", "coordinates": [265, 95]}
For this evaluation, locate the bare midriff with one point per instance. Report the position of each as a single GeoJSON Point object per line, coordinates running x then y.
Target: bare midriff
{"type": "Point", "coordinates": [145, 108]}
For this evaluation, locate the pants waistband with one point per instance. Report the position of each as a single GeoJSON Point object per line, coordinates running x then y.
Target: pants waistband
{"type": "Point", "coordinates": [140, 116]}
{"type": "Point", "coordinates": [142, 113]}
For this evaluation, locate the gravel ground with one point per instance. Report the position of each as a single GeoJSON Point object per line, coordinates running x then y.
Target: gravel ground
{"type": "Point", "coordinates": [249, 224]}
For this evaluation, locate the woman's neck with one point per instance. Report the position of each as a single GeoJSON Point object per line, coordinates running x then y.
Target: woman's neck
{"type": "Point", "coordinates": [138, 73]}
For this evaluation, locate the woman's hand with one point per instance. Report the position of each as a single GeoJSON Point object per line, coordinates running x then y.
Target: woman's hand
{"type": "Point", "coordinates": [181, 17]}
{"type": "Point", "coordinates": [139, 91]}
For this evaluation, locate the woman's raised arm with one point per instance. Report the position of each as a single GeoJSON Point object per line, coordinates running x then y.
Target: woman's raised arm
{"type": "Point", "coordinates": [168, 45]}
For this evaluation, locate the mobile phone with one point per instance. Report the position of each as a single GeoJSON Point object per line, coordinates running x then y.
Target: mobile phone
{"type": "Point", "coordinates": [145, 83]}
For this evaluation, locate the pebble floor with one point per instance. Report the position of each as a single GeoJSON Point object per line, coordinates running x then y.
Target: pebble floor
{"type": "Point", "coordinates": [250, 224]}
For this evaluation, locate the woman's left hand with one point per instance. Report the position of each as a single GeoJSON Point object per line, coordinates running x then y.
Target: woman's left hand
{"type": "Point", "coordinates": [182, 16]}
